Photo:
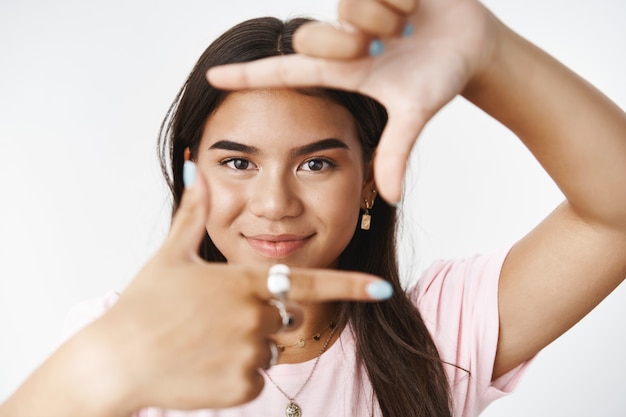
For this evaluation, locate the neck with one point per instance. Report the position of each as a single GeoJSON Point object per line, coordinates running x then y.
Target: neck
{"type": "Point", "coordinates": [317, 318]}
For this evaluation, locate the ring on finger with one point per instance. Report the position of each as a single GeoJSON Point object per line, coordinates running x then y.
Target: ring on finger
{"type": "Point", "coordinates": [278, 281]}
{"type": "Point", "coordinates": [285, 316]}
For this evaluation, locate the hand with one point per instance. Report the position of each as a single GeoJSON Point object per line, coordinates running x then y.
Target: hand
{"type": "Point", "coordinates": [413, 78]}
{"type": "Point", "coordinates": [193, 334]}
{"type": "Point", "coordinates": [185, 334]}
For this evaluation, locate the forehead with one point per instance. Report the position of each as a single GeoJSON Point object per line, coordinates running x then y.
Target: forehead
{"type": "Point", "coordinates": [280, 117]}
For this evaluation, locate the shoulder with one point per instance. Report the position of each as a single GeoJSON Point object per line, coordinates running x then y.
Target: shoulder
{"type": "Point", "coordinates": [458, 301]}
{"type": "Point", "coordinates": [448, 284]}
{"type": "Point", "coordinates": [458, 298]}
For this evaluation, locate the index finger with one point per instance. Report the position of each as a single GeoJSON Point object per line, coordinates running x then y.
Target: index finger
{"type": "Point", "coordinates": [288, 71]}
{"type": "Point", "coordinates": [322, 285]}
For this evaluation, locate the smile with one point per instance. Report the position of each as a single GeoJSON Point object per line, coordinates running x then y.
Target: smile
{"type": "Point", "coordinates": [277, 246]}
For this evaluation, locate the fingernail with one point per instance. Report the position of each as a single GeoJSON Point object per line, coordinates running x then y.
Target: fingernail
{"type": "Point", "coordinates": [189, 174]}
{"type": "Point", "coordinates": [408, 30]}
{"type": "Point", "coordinates": [376, 47]}
{"type": "Point", "coordinates": [380, 290]}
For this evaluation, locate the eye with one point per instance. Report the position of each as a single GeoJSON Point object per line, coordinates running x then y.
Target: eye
{"type": "Point", "coordinates": [317, 164]}
{"type": "Point", "coordinates": [238, 164]}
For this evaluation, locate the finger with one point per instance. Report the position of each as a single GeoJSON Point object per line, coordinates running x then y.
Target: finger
{"type": "Point", "coordinates": [394, 150]}
{"type": "Point", "coordinates": [188, 226]}
{"type": "Point", "coordinates": [372, 17]}
{"type": "Point", "coordinates": [330, 285]}
{"type": "Point", "coordinates": [293, 318]}
{"type": "Point", "coordinates": [272, 321]}
{"type": "Point", "coordinates": [271, 355]}
{"type": "Point", "coordinates": [321, 285]}
{"type": "Point", "coordinates": [403, 6]}
{"type": "Point", "coordinates": [323, 40]}
{"type": "Point", "coordinates": [290, 71]}
{"type": "Point", "coordinates": [296, 313]}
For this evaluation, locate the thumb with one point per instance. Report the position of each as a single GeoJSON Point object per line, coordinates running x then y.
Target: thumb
{"type": "Point", "coordinates": [189, 223]}
{"type": "Point", "coordinates": [393, 152]}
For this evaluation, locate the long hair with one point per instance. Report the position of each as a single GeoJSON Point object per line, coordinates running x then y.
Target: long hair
{"type": "Point", "coordinates": [394, 346]}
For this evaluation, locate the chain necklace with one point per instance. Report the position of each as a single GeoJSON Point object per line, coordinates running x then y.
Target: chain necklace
{"type": "Point", "coordinates": [302, 341]}
{"type": "Point", "coordinates": [293, 409]}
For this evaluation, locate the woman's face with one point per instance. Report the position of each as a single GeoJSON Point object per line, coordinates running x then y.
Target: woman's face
{"type": "Point", "coordinates": [286, 178]}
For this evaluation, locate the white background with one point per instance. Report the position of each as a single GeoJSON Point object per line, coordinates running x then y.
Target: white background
{"type": "Point", "coordinates": [83, 89]}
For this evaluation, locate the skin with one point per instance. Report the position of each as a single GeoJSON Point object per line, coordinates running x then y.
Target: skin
{"type": "Point", "coordinates": [308, 201]}
{"type": "Point", "coordinates": [274, 199]}
{"type": "Point", "coordinates": [573, 259]}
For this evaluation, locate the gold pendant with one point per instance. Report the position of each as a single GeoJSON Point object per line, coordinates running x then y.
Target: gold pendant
{"type": "Point", "coordinates": [366, 221]}
{"type": "Point", "coordinates": [293, 410]}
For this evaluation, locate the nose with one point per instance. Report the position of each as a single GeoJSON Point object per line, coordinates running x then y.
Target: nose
{"type": "Point", "coordinates": [275, 196]}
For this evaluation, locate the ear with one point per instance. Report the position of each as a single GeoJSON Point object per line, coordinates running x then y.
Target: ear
{"type": "Point", "coordinates": [368, 191]}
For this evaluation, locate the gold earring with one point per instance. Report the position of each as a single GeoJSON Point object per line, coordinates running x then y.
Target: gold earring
{"type": "Point", "coordinates": [366, 218]}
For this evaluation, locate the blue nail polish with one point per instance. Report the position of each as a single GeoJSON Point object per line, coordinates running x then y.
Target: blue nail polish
{"type": "Point", "coordinates": [380, 290]}
{"type": "Point", "coordinates": [408, 30]}
{"type": "Point", "coordinates": [376, 47]}
{"type": "Point", "coordinates": [189, 173]}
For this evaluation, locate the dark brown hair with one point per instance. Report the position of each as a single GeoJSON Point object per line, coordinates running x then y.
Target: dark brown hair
{"type": "Point", "coordinates": [394, 346]}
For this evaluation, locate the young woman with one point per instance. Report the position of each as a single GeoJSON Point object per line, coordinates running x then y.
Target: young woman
{"type": "Point", "coordinates": [545, 283]}
{"type": "Point", "coordinates": [289, 175]}
{"type": "Point", "coordinates": [289, 170]}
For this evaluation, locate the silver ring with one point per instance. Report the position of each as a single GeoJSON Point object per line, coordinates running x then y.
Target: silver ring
{"type": "Point", "coordinates": [274, 353]}
{"type": "Point", "coordinates": [285, 316]}
{"type": "Point", "coordinates": [278, 281]}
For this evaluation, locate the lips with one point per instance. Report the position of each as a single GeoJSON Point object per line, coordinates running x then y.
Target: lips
{"type": "Point", "coordinates": [277, 246]}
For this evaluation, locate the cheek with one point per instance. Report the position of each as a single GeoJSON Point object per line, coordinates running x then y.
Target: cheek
{"type": "Point", "coordinates": [225, 205]}
{"type": "Point", "coordinates": [341, 208]}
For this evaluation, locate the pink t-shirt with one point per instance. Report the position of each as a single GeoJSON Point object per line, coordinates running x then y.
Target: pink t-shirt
{"type": "Point", "coordinates": [458, 301]}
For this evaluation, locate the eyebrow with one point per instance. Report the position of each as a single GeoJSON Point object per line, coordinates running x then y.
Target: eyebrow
{"type": "Point", "coordinates": [320, 145]}
{"type": "Point", "coordinates": [229, 145]}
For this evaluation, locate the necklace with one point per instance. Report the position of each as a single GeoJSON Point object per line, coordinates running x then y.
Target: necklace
{"type": "Point", "coordinates": [293, 409]}
{"type": "Point", "coordinates": [302, 341]}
